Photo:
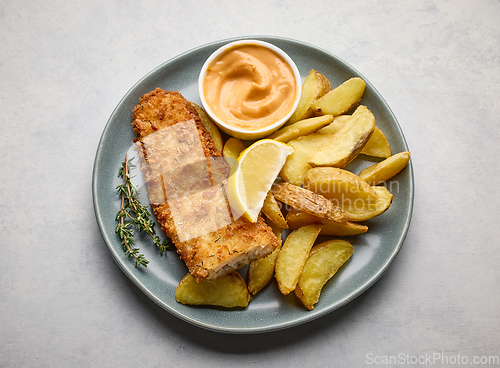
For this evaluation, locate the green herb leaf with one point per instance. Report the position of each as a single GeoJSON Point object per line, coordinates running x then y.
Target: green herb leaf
{"type": "Point", "coordinates": [131, 206]}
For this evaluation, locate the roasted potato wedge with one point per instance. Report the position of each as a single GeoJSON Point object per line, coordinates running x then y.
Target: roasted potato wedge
{"type": "Point", "coordinates": [337, 123]}
{"type": "Point", "coordinates": [261, 271]}
{"type": "Point", "coordinates": [272, 210]}
{"type": "Point", "coordinates": [293, 255]}
{"type": "Point", "coordinates": [297, 219]}
{"type": "Point", "coordinates": [229, 291]}
{"type": "Point", "coordinates": [384, 170]}
{"type": "Point", "coordinates": [358, 212]}
{"type": "Point", "coordinates": [340, 186]}
{"type": "Point", "coordinates": [324, 261]}
{"type": "Point", "coordinates": [348, 142]}
{"type": "Point", "coordinates": [232, 149]}
{"type": "Point", "coordinates": [278, 231]}
{"type": "Point", "coordinates": [210, 125]}
{"type": "Point", "coordinates": [350, 192]}
{"type": "Point", "coordinates": [315, 86]}
{"type": "Point", "coordinates": [297, 164]}
{"type": "Point", "coordinates": [309, 202]}
{"type": "Point", "coordinates": [341, 99]}
{"type": "Point", "coordinates": [300, 128]}
{"type": "Point", "coordinates": [377, 145]}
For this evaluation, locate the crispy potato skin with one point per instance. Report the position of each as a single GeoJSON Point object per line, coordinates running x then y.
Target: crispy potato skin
{"type": "Point", "coordinates": [339, 185]}
{"type": "Point", "coordinates": [360, 200]}
{"type": "Point", "coordinates": [308, 202]}
{"type": "Point", "coordinates": [297, 219]}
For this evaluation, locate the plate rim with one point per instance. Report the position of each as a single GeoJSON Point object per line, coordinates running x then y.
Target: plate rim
{"type": "Point", "coordinates": [272, 327]}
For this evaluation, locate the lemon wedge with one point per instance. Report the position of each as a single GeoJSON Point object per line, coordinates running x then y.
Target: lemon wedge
{"type": "Point", "coordinates": [251, 178]}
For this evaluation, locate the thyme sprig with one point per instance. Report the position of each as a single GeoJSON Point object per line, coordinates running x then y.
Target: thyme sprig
{"type": "Point", "coordinates": [133, 213]}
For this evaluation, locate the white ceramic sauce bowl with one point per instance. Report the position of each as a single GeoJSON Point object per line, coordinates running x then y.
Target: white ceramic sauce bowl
{"type": "Point", "coordinates": [246, 133]}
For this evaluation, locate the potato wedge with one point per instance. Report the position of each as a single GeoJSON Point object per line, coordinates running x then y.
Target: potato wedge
{"type": "Point", "coordinates": [272, 210]}
{"type": "Point", "coordinates": [340, 186]}
{"type": "Point", "coordinates": [309, 202]}
{"type": "Point", "coordinates": [377, 145]}
{"type": "Point", "coordinates": [293, 255]}
{"type": "Point", "coordinates": [278, 231]}
{"type": "Point", "coordinates": [213, 130]}
{"type": "Point", "coordinates": [297, 219]}
{"type": "Point", "coordinates": [232, 149]}
{"type": "Point", "coordinates": [384, 170]}
{"type": "Point", "coordinates": [334, 127]}
{"type": "Point", "coordinates": [323, 263]}
{"type": "Point", "coordinates": [358, 212]}
{"type": "Point", "coordinates": [297, 164]}
{"type": "Point", "coordinates": [300, 128]}
{"type": "Point", "coordinates": [348, 142]}
{"type": "Point", "coordinates": [350, 192]}
{"type": "Point", "coordinates": [315, 86]}
{"type": "Point", "coordinates": [341, 99]}
{"type": "Point", "coordinates": [261, 271]}
{"type": "Point", "coordinates": [229, 291]}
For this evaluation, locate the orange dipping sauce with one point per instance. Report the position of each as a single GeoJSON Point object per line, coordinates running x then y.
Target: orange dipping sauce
{"type": "Point", "coordinates": [250, 87]}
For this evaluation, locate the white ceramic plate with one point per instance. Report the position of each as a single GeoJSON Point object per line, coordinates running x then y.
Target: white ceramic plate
{"type": "Point", "coordinates": [269, 310]}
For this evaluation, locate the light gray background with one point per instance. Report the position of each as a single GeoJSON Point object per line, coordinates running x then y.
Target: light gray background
{"type": "Point", "coordinates": [64, 66]}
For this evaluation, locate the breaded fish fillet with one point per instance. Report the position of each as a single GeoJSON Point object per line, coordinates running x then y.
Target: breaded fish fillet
{"type": "Point", "coordinates": [185, 176]}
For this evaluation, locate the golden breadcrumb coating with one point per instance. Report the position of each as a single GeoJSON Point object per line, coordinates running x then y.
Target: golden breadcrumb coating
{"type": "Point", "coordinates": [185, 176]}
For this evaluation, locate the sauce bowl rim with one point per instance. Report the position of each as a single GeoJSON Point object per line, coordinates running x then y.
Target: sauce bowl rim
{"type": "Point", "coordinates": [245, 133]}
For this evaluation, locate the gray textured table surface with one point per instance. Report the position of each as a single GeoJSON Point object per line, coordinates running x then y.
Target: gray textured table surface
{"type": "Point", "coordinates": [64, 66]}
